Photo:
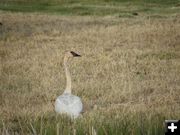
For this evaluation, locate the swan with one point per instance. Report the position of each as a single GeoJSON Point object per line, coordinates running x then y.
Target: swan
{"type": "Point", "coordinates": [67, 102]}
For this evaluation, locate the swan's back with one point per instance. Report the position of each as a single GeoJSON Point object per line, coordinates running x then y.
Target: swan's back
{"type": "Point", "coordinates": [69, 104]}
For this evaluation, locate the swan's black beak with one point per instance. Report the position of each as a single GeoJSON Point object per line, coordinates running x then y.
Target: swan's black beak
{"type": "Point", "coordinates": [75, 54]}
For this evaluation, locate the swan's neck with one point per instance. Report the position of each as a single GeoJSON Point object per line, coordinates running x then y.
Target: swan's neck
{"type": "Point", "coordinates": [68, 77]}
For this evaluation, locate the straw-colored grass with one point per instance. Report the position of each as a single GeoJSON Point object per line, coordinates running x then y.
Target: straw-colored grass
{"type": "Point", "coordinates": [128, 76]}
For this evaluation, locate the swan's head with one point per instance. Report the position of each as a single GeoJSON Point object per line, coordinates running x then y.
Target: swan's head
{"type": "Point", "coordinates": [73, 54]}
{"type": "Point", "coordinates": [69, 55]}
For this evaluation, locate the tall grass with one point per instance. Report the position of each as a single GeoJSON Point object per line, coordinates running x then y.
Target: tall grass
{"type": "Point", "coordinates": [50, 124]}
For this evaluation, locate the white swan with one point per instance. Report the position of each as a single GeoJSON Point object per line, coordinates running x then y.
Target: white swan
{"type": "Point", "coordinates": [68, 103]}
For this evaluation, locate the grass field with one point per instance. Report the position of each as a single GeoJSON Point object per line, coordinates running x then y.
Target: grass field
{"type": "Point", "coordinates": [122, 8]}
{"type": "Point", "coordinates": [128, 76]}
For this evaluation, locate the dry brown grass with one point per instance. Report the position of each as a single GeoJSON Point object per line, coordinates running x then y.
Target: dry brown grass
{"type": "Point", "coordinates": [128, 65]}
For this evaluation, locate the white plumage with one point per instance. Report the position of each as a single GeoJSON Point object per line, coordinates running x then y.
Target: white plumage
{"type": "Point", "coordinates": [68, 103]}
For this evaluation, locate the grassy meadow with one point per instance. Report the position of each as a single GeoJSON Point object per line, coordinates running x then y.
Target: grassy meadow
{"type": "Point", "coordinates": [119, 8]}
{"type": "Point", "coordinates": [128, 76]}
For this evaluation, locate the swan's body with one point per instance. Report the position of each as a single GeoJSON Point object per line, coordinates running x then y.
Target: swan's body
{"type": "Point", "coordinates": [68, 103]}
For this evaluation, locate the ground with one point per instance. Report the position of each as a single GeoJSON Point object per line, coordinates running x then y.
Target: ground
{"type": "Point", "coordinates": [128, 75]}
